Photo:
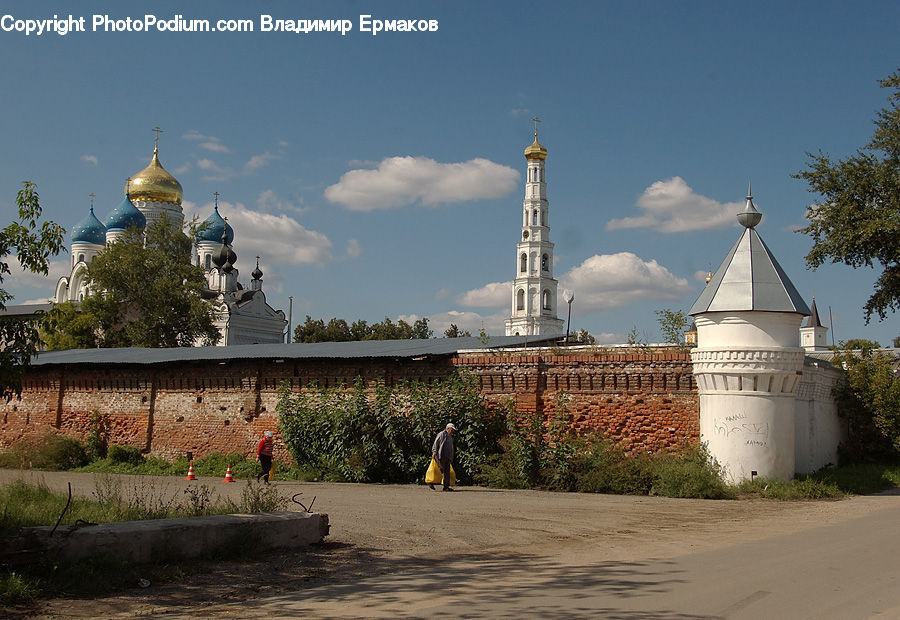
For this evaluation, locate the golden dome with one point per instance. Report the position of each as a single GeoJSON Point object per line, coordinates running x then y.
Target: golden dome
{"type": "Point", "coordinates": [154, 184]}
{"type": "Point", "coordinates": [536, 150]}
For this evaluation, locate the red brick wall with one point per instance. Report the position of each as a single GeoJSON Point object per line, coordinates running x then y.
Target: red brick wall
{"type": "Point", "coordinates": [647, 401]}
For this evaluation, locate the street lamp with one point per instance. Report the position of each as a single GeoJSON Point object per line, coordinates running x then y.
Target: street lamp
{"type": "Point", "coordinates": [569, 296]}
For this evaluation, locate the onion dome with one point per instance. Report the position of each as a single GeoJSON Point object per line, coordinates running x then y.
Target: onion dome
{"type": "Point", "coordinates": [749, 217]}
{"type": "Point", "coordinates": [154, 184]}
{"type": "Point", "coordinates": [214, 228]}
{"type": "Point", "coordinates": [536, 150]}
{"type": "Point", "coordinates": [225, 257]}
{"type": "Point", "coordinates": [125, 216]}
{"type": "Point", "coordinates": [89, 230]}
{"type": "Point", "coordinates": [257, 273]}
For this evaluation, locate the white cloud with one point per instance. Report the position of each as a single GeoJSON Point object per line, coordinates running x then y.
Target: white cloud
{"type": "Point", "coordinates": [606, 281]}
{"type": "Point", "coordinates": [353, 248]}
{"type": "Point", "coordinates": [401, 181]}
{"type": "Point", "coordinates": [90, 159]}
{"type": "Point", "coordinates": [22, 280]}
{"type": "Point", "coordinates": [213, 170]}
{"type": "Point", "coordinates": [278, 239]}
{"type": "Point", "coordinates": [269, 200]}
{"type": "Point", "coordinates": [700, 275]}
{"type": "Point", "coordinates": [258, 161]}
{"type": "Point", "coordinates": [493, 295]}
{"type": "Point", "coordinates": [210, 143]}
{"type": "Point", "coordinates": [672, 206]}
{"type": "Point", "coordinates": [494, 325]}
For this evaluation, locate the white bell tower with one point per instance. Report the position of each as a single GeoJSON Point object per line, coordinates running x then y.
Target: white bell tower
{"type": "Point", "coordinates": [534, 297]}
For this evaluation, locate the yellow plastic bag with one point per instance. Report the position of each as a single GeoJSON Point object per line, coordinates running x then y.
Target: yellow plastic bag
{"type": "Point", "coordinates": [433, 475]}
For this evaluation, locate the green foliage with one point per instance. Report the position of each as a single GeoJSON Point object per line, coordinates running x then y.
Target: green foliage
{"type": "Point", "coordinates": [673, 324]}
{"type": "Point", "coordinates": [799, 489]}
{"type": "Point", "coordinates": [32, 245]}
{"type": "Point", "coordinates": [582, 336]}
{"type": "Point", "coordinates": [337, 330]}
{"type": "Point", "coordinates": [125, 454]}
{"type": "Point", "coordinates": [385, 434]}
{"type": "Point", "coordinates": [16, 589]}
{"type": "Point", "coordinates": [689, 473]}
{"type": "Point", "coordinates": [50, 452]}
{"type": "Point", "coordinates": [98, 436]}
{"type": "Point", "coordinates": [869, 400]}
{"type": "Point", "coordinates": [130, 309]}
{"type": "Point", "coordinates": [454, 332]}
{"type": "Point", "coordinates": [636, 339]}
{"type": "Point", "coordinates": [257, 497]}
{"type": "Point", "coordinates": [856, 220]}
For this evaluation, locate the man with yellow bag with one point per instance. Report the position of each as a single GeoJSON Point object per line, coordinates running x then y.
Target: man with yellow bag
{"type": "Point", "coordinates": [442, 456]}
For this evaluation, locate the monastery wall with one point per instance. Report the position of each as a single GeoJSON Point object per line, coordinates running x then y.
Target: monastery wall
{"type": "Point", "coordinates": [647, 401]}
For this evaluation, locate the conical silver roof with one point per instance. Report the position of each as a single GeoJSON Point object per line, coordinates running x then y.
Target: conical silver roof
{"type": "Point", "coordinates": [750, 278]}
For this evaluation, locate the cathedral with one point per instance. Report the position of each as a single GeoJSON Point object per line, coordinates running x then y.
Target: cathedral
{"type": "Point", "coordinates": [241, 314]}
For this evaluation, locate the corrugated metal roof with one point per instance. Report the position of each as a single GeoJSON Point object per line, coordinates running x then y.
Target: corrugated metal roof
{"type": "Point", "coordinates": [320, 350]}
{"type": "Point", "coordinates": [25, 310]}
{"type": "Point", "coordinates": [750, 279]}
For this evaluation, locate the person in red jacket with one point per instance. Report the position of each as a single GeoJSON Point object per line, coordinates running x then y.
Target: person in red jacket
{"type": "Point", "coordinates": [264, 453]}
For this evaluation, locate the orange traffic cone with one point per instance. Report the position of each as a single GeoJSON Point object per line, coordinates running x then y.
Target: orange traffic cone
{"type": "Point", "coordinates": [228, 476]}
{"type": "Point", "coordinates": [191, 475]}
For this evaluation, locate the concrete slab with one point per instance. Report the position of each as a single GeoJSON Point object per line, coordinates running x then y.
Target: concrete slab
{"type": "Point", "coordinates": [169, 539]}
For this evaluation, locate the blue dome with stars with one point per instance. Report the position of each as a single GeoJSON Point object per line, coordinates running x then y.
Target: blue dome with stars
{"type": "Point", "coordinates": [213, 227]}
{"type": "Point", "coordinates": [89, 230]}
{"type": "Point", "coordinates": [125, 216]}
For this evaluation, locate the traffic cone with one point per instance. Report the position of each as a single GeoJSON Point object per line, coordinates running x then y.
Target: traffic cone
{"type": "Point", "coordinates": [228, 476]}
{"type": "Point", "coordinates": [191, 475]}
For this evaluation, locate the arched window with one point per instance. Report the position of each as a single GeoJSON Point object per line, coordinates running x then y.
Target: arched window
{"type": "Point", "coordinates": [546, 299]}
{"type": "Point", "coordinates": [523, 263]}
{"type": "Point", "coordinates": [207, 261]}
{"type": "Point", "coordinates": [81, 258]}
{"type": "Point", "coordinates": [545, 263]}
{"type": "Point", "coordinates": [534, 218]}
{"type": "Point", "coordinates": [520, 299]}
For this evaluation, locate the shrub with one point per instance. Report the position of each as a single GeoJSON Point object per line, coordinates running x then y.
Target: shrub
{"type": "Point", "coordinates": [691, 473]}
{"type": "Point", "coordinates": [50, 452]}
{"type": "Point", "coordinates": [125, 454]}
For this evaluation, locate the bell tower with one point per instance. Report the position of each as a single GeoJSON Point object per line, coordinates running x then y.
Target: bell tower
{"type": "Point", "coordinates": [534, 290]}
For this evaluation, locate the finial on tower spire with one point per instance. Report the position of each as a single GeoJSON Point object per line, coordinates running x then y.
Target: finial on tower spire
{"type": "Point", "coordinates": [536, 121]}
{"type": "Point", "coordinates": [217, 201]}
{"type": "Point", "coordinates": [92, 200]}
{"type": "Point", "coordinates": [749, 217]}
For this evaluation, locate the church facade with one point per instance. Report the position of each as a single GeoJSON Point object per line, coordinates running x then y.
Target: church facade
{"type": "Point", "coordinates": [242, 315]}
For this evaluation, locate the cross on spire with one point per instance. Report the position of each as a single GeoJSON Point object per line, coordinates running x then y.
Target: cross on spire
{"type": "Point", "coordinates": [536, 121]}
{"type": "Point", "coordinates": [217, 199]}
{"type": "Point", "coordinates": [92, 199]}
{"type": "Point", "coordinates": [158, 131]}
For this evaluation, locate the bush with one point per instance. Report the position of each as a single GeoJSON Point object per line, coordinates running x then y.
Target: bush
{"type": "Point", "coordinates": [125, 454]}
{"type": "Point", "coordinates": [692, 473]}
{"type": "Point", "coordinates": [385, 435]}
{"type": "Point", "coordinates": [50, 452]}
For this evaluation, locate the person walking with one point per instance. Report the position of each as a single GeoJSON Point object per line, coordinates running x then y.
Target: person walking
{"type": "Point", "coordinates": [264, 452]}
{"type": "Point", "coordinates": [442, 452]}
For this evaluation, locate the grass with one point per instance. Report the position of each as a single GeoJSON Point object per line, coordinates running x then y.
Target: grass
{"type": "Point", "coordinates": [23, 505]}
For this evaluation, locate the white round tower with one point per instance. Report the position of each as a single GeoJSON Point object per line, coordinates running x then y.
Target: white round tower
{"type": "Point", "coordinates": [748, 361]}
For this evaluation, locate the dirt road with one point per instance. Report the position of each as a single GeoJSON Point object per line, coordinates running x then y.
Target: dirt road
{"type": "Point", "coordinates": [408, 551]}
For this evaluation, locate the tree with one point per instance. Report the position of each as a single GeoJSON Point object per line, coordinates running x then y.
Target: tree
{"type": "Point", "coordinates": [870, 401]}
{"type": "Point", "coordinates": [857, 219]}
{"type": "Point", "coordinates": [583, 336]}
{"type": "Point", "coordinates": [146, 293]}
{"type": "Point", "coordinates": [454, 332]}
{"type": "Point", "coordinates": [33, 246]}
{"type": "Point", "coordinates": [337, 330]}
{"type": "Point", "coordinates": [673, 324]}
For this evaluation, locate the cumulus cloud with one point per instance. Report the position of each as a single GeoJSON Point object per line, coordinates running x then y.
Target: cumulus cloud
{"type": "Point", "coordinates": [493, 295]}
{"type": "Point", "coordinates": [278, 239]}
{"type": "Point", "coordinates": [353, 248]}
{"type": "Point", "coordinates": [269, 200]}
{"type": "Point", "coordinates": [672, 206]}
{"type": "Point", "coordinates": [494, 324]}
{"type": "Point", "coordinates": [258, 161]}
{"type": "Point", "coordinates": [213, 171]}
{"type": "Point", "coordinates": [700, 275]}
{"type": "Point", "coordinates": [90, 159]}
{"type": "Point", "coordinates": [611, 280]}
{"type": "Point", "coordinates": [401, 181]}
{"type": "Point", "coordinates": [21, 280]}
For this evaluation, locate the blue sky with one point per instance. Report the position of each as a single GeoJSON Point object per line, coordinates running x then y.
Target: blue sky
{"type": "Point", "coordinates": [382, 176]}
